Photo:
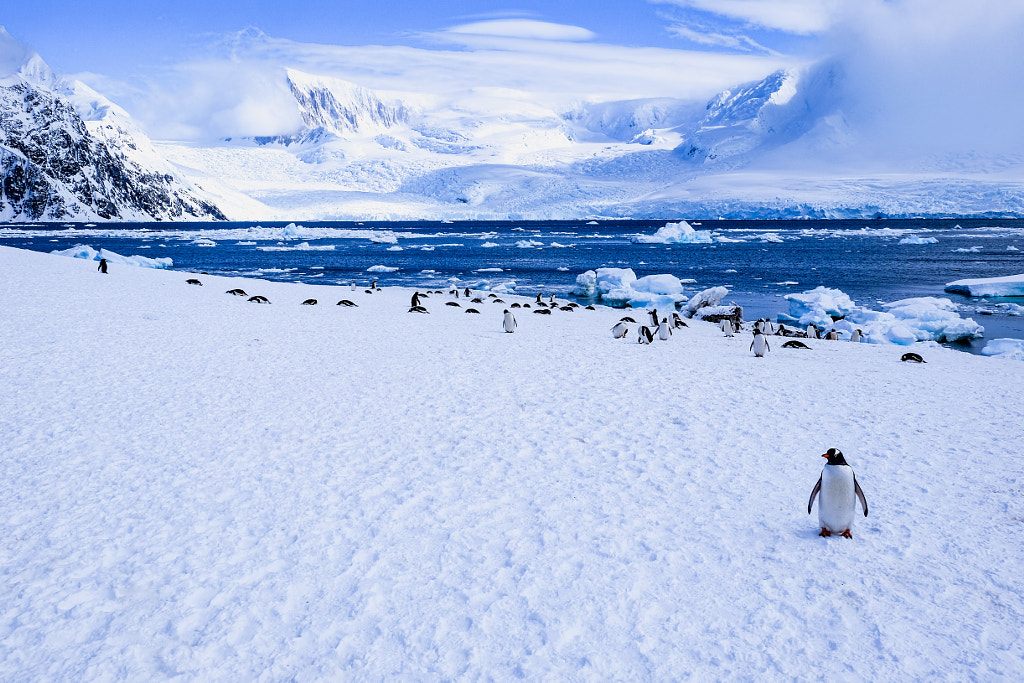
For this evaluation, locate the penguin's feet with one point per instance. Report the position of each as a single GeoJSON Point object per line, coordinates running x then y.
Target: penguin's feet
{"type": "Point", "coordinates": [847, 534]}
{"type": "Point", "coordinates": [825, 532]}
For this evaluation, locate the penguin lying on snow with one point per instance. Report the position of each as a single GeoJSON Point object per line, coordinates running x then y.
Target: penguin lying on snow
{"type": "Point", "coordinates": [471, 310]}
{"type": "Point", "coordinates": [193, 281]}
{"type": "Point", "coordinates": [543, 311]}
{"type": "Point", "coordinates": [418, 309]}
{"type": "Point", "coordinates": [626, 319]}
{"type": "Point", "coordinates": [453, 303]}
{"type": "Point", "coordinates": [236, 292]}
{"type": "Point", "coordinates": [794, 344]}
{"type": "Point", "coordinates": [259, 299]}
{"type": "Point", "coordinates": [346, 302]}
{"type": "Point", "coordinates": [309, 302]}
{"type": "Point", "coordinates": [912, 357]}
{"type": "Point", "coordinates": [838, 487]}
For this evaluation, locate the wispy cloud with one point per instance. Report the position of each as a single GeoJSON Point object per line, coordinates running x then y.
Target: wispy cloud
{"type": "Point", "coordinates": [801, 17]}
{"type": "Point", "coordinates": [521, 28]}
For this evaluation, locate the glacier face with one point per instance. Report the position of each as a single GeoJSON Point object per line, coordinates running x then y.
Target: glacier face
{"type": "Point", "coordinates": [68, 153]}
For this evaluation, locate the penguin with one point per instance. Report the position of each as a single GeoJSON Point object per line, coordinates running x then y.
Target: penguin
{"type": "Point", "coordinates": [654, 317]}
{"type": "Point", "coordinates": [832, 335]}
{"type": "Point", "coordinates": [552, 299]}
{"type": "Point", "coordinates": [794, 344]}
{"type": "Point", "coordinates": [193, 281]}
{"type": "Point", "coordinates": [236, 292]}
{"type": "Point", "coordinates": [620, 330]}
{"type": "Point", "coordinates": [509, 323]}
{"type": "Point", "coordinates": [543, 311]}
{"type": "Point", "coordinates": [856, 336]}
{"type": "Point", "coordinates": [414, 309]}
{"type": "Point", "coordinates": [538, 298]}
{"type": "Point", "coordinates": [759, 326]}
{"type": "Point", "coordinates": [677, 322]}
{"type": "Point", "coordinates": [309, 302]}
{"type": "Point", "coordinates": [477, 300]}
{"type": "Point", "coordinates": [812, 331]}
{"type": "Point", "coordinates": [627, 319]}
{"type": "Point", "coordinates": [466, 293]}
{"type": "Point", "coordinates": [515, 305]}
{"type": "Point", "coordinates": [838, 488]}
{"type": "Point", "coordinates": [664, 331]}
{"type": "Point", "coordinates": [590, 308]}
{"type": "Point", "coordinates": [374, 285]}
{"type": "Point", "coordinates": [760, 345]}
{"type": "Point", "coordinates": [347, 304]}
{"type": "Point", "coordinates": [472, 310]}
{"type": "Point", "coordinates": [644, 336]}
{"type": "Point", "coordinates": [911, 357]}
{"type": "Point", "coordinates": [352, 286]}
{"type": "Point", "coordinates": [452, 303]}
{"type": "Point", "coordinates": [565, 308]}
{"type": "Point", "coordinates": [726, 326]}
{"type": "Point", "coordinates": [415, 300]}
{"type": "Point", "coordinates": [259, 299]}
{"type": "Point", "coordinates": [102, 267]}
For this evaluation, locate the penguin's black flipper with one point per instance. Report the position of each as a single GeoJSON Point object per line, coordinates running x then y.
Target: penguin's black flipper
{"type": "Point", "coordinates": [860, 494]}
{"type": "Point", "coordinates": [814, 494]}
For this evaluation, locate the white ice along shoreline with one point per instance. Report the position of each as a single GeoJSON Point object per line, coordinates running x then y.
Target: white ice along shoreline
{"type": "Point", "coordinates": [86, 252]}
{"type": "Point", "coordinates": [903, 322]}
{"type": "Point", "coordinates": [1009, 286]}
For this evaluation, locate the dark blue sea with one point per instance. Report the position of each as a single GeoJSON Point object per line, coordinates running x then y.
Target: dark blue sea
{"type": "Point", "coordinates": [760, 261]}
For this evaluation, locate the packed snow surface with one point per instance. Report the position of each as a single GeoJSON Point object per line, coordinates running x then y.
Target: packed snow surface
{"type": "Point", "coordinates": [1012, 285]}
{"type": "Point", "coordinates": [202, 488]}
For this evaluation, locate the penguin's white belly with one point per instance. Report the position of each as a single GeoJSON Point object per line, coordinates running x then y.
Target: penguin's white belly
{"type": "Point", "coordinates": [836, 498]}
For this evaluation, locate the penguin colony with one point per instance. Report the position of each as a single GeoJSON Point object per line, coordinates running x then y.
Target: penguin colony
{"type": "Point", "coordinates": [837, 490]}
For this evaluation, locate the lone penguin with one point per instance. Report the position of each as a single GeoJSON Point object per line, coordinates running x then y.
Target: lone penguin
{"type": "Point", "coordinates": [509, 323]}
{"type": "Point", "coordinates": [760, 345]}
{"type": "Point", "coordinates": [664, 331]}
{"type": "Point", "coordinates": [103, 265]}
{"type": "Point", "coordinates": [838, 487]}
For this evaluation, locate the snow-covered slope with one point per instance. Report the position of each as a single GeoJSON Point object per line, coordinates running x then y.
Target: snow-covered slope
{"type": "Point", "coordinates": [756, 150]}
{"type": "Point", "coordinates": [68, 153]}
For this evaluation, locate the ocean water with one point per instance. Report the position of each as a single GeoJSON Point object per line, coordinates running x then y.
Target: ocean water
{"type": "Point", "coordinates": [759, 261]}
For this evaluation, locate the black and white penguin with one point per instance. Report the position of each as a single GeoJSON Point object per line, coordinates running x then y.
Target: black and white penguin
{"type": "Point", "coordinates": [466, 293]}
{"type": "Point", "coordinates": [654, 317]}
{"type": "Point", "coordinates": [812, 331]}
{"type": "Point", "coordinates": [415, 300]}
{"type": "Point", "coordinates": [620, 330]}
{"type": "Point", "coordinates": [645, 336]}
{"type": "Point", "coordinates": [509, 323]}
{"type": "Point", "coordinates": [760, 345]}
{"type": "Point", "coordinates": [726, 327]}
{"type": "Point", "coordinates": [838, 488]}
{"type": "Point", "coordinates": [794, 344]}
{"type": "Point", "coordinates": [374, 285]}
{"type": "Point", "coordinates": [309, 302]}
{"type": "Point", "coordinates": [677, 322]}
{"type": "Point", "coordinates": [832, 335]}
{"type": "Point", "coordinates": [664, 331]}
{"type": "Point", "coordinates": [236, 292]}
{"type": "Point", "coordinates": [538, 298]}
{"type": "Point", "coordinates": [193, 281]}
{"type": "Point", "coordinates": [102, 267]}
{"type": "Point", "coordinates": [911, 357]}
{"type": "Point", "coordinates": [856, 336]}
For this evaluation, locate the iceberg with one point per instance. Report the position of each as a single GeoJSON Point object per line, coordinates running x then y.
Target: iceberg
{"type": "Point", "coordinates": [674, 233]}
{"type": "Point", "coordinates": [84, 251]}
{"type": "Point", "coordinates": [914, 239]}
{"type": "Point", "coordinates": [903, 322]}
{"type": "Point", "coordinates": [381, 269]}
{"type": "Point", "coordinates": [620, 287]}
{"type": "Point", "coordinates": [1011, 285]}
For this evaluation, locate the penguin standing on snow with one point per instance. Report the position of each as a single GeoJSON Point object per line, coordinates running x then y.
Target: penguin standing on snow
{"type": "Point", "coordinates": [620, 330]}
{"type": "Point", "coordinates": [856, 336]}
{"type": "Point", "coordinates": [838, 488]}
{"type": "Point", "coordinates": [509, 324]}
{"type": "Point", "coordinates": [726, 326]}
{"type": "Point", "coordinates": [654, 317]}
{"type": "Point", "coordinates": [644, 336]}
{"type": "Point", "coordinates": [415, 300]}
{"type": "Point", "coordinates": [664, 331]}
{"type": "Point", "coordinates": [760, 345]}
{"type": "Point", "coordinates": [812, 331]}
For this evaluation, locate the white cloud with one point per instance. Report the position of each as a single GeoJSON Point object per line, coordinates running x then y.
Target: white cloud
{"type": "Point", "coordinates": [522, 28]}
{"type": "Point", "coordinates": [802, 17]}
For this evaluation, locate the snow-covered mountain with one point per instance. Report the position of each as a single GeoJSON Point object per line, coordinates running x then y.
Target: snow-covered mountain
{"type": "Point", "coordinates": [760, 149]}
{"type": "Point", "coordinates": [68, 153]}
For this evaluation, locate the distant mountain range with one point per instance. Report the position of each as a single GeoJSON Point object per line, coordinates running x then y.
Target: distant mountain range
{"type": "Point", "coordinates": [67, 153]}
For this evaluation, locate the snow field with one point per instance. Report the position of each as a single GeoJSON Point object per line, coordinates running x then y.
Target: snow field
{"type": "Point", "coordinates": [198, 486]}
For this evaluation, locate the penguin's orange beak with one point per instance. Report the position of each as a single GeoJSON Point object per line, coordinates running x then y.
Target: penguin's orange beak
{"type": "Point", "coordinates": [824, 455]}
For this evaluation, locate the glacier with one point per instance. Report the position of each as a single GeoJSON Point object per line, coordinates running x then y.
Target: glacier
{"type": "Point", "coordinates": [1012, 285]}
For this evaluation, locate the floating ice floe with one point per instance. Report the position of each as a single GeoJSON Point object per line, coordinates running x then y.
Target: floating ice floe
{"type": "Point", "coordinates": [914, 239]}
{"type": "Point", "coordinates": [204, 242]}
{"type": "Point", "coordinates": [968, 250]}
{"type": "Point", "coordinates": [301, 246]}
{"type": "Point", "coordinates": [84, 251]}
{"type": "Point", "coordinates": [489, 245]}
{"type": "Point", "coordinates": [674, 233]}
{"type": "Point", "coordinates": [386, 237]}
{"type": "Point", "coordinates": [1005, 348]}
{"type": "Point", "coordinates": [529, 244]}
{"type": "Point", "coordinates": [1011, 285]}
{"type": "Point", "coordinates": [620, 286]}
{"type": "Point", "coordinates": [395, 248]}
{"type": "Point", "coordinates": [903, 322]}
{"type": "Point", "coordinates": [489, 270]}
{"type": "Point", "coordinates": [381, 269]}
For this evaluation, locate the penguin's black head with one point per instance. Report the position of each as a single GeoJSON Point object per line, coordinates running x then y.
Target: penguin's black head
{"type": "Point", "coordinates": [835, 457]}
